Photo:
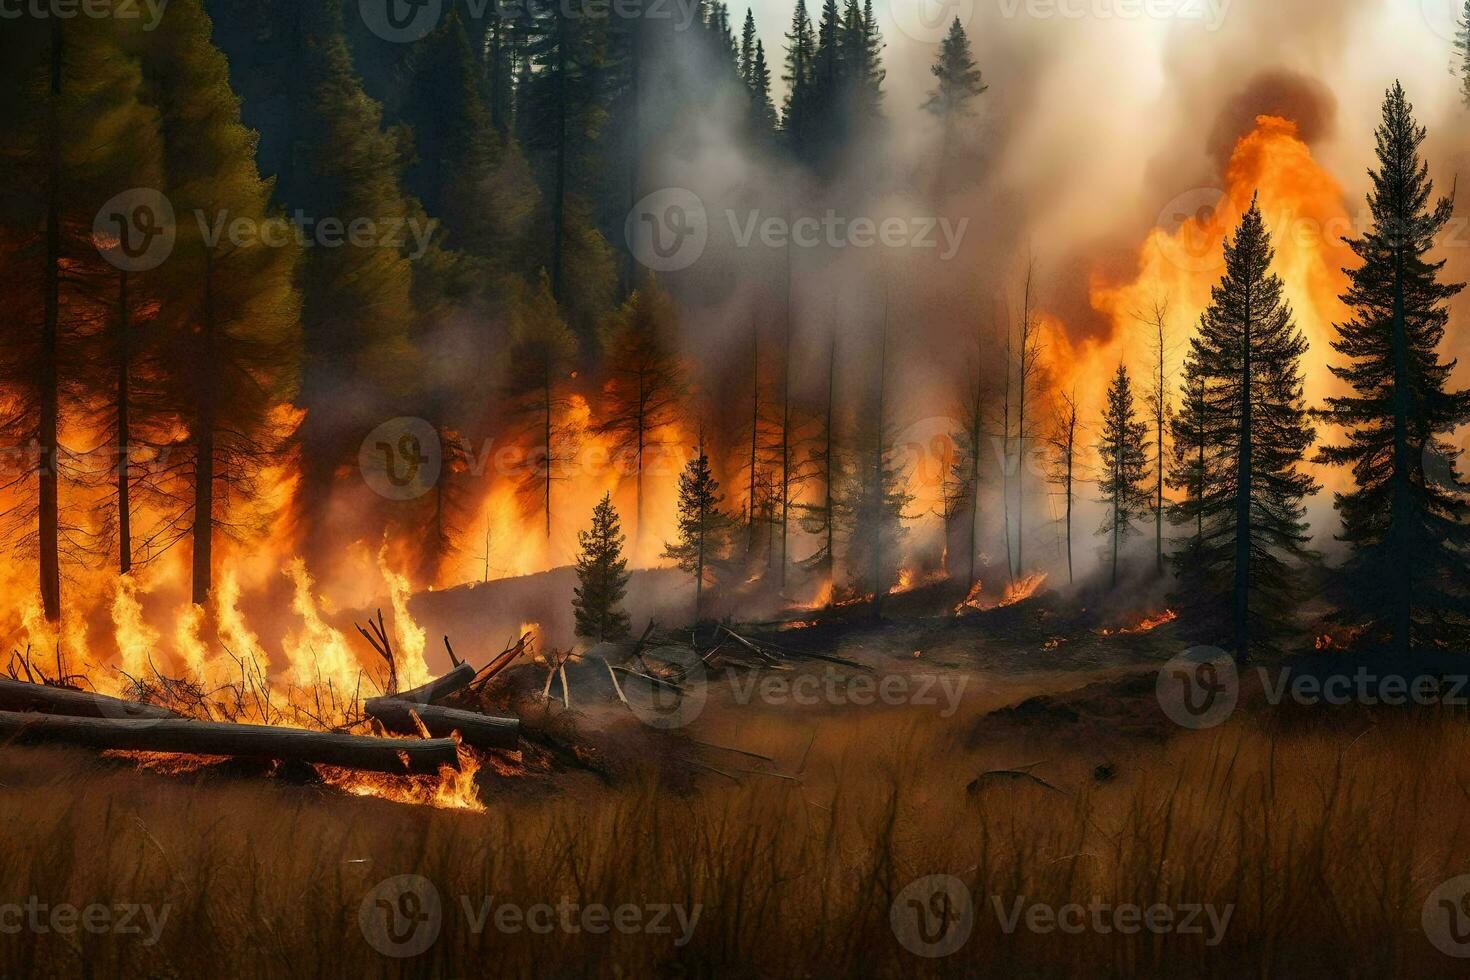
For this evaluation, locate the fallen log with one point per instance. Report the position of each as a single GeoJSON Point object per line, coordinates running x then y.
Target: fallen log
{"type": "Point", "coordinates": [397, 756]}
{"type": "Point", "coordinates": [437, 689]}
{"type": "Point", "coordinates": [475, 730]}
{"type": "Point", "coordinates": [24, 696]}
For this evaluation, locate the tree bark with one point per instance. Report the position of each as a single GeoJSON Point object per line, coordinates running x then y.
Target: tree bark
{"type": "Point", "coordinates": [397, 756]}
{"type": "Point", "coordinates": [24, 696]}
{"type": "Point", "coordinates": [474, 729]}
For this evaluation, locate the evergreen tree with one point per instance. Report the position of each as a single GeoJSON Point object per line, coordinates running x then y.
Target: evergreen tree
{"type": "Point", "coordinates": [703, 529]}
{"type": "Point", "coordinates": [959, 79]}
{"type": "Point", "coordinates": [798, 111]}
{"type": "Point", "coordinates": [77, 133]}
{"type": "Point", "coordinates": [644, 388]}
{"type": "Point", "coordinates": [1408, 575]}
{"type": "Point", "coordinates": [1124, 466]}
{"type": "Point", "coordinates": [876, 497]}
{"type": "Point", "coordinates": [1248, 355]}
{"type": "Point", "coordinates": [539, 363]}
{"type": "Point", "coordinates": [231, 306]}
{"type": "Point", "coordinates": [762, 110]}
{"type": "Point", "coordinates": [464, 171]}
{"type": "Point", "coordinates": [959, 83]}
{"type": "Point", "coordinates": [747, 50]}
{"type": "Point", "coordinates": [1190, 472]}
{"type": "Point", "coordinates": [358, 309]}
{"type": "Point", "coordinates": [602, 578]}
{"type": "Point", "coordinates": [561, 112]}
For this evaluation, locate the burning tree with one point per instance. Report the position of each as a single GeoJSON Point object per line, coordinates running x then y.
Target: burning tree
{"type": "Point", "coordinates": [1064, 465]}
{"type": "Point", "coordinates": [602, 577]}
{"type": "Point", "coordinates": [962, 484]}
{"type": "Point", "coordinates": [1406, 579]}
{"type": "Point", "coordinates": [62, 158]}
{"type": "Point", "coordinates": [1248, 357]}
{"type": "Point", "coordinates": [232, 308]}
{"type": "Point", "coordinates": [541, 352]}
{"type": "Point", "coordinates": [703, 528]}
{"type": "Point", "coordinates": [1124, 466]}
{"type": "Point", "coordinates": [875, 497]}
{"type": "Point", "coordinates": [825, 465]}
{"type": "Point", "coordinates": [645, 383]}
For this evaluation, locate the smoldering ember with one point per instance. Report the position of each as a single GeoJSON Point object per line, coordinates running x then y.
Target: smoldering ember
{"type": "Point", "coordinates": [644, 488]}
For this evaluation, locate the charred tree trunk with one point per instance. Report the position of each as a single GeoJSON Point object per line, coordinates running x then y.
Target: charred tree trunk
{"type": "Point", "coordinates": [45, 698]}
{"type": "Point", "coordinates": [47, 371]}
{"type": "Point", "coordinates": [397, 756]}
{"type": "Point", "coordinates": [204, 449]}
{"type": "Point", "coordinates": [755, 424]}
{"type": "Point", "coordinates": [124, 437]}
{"type": "Point", "coordinates": [559, 191]}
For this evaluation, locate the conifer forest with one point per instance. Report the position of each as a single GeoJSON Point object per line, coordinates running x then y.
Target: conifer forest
{"type": "Point", "coordinates": [669, 488]}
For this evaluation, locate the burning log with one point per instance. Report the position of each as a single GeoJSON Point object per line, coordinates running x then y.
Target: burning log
{"type": "Point", "coordinates": [24, 696]}
{"type": "Point", "coordinates": [456, 680]}
{"type": "Point", "coordinates": [476, 730]}
{"type": "Point", "coordinates": [396, 756]}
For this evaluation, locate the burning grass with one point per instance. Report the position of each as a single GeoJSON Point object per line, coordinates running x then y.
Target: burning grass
{"type": "Point", "coordinates": [1326, 846]}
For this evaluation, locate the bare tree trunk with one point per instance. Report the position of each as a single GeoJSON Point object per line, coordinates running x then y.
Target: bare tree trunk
{"type": "Point", "coordinates": [204, 460]}
{"type": "Point", "coordinates": [880, 450]}
{"type": "Point", "coordinates": [124, 438]}
{"type": "Point", "coordinates": [48, 491]}
{"type": "Point", "coordinates": [755, 422]}
{"type": "Point", "coordinates": [786, 429]}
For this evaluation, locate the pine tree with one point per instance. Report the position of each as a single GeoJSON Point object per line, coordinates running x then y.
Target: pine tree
{"type": "Point", "coordinates": [875, 499]}
{"type": "Point", "coordinates": [1190, 472]}
{"type": "Point", "coordinates": [1407, 578]}
{"type": "Point", "coordinates": [959, 84]}
{"type": "Point", "coordinates": [602, 577]}
{"type": "Point", "coordinates": [78, 132]}
{"type": "Point", "coordinates": [1124, 466]}
{"type": "Point", "coordinates": [703, 529]}
{"type": "Point", "coordinates": [538, 365]}
{"type": "Point", "coordinates": [798, 111]}
{"type": "Point", "coordinates": [645, 386]}
{"type": "Point", "coordinates": [231, 306]}
{"type": "Point", "coordinates": [1248, 354]}
{"type": "Point", "coordinates": [358, 309]}
{"type": "Point", "coordinates": [561, 112]}
{"type": "Point", "coordinates": [747, 50]}
{"type": "Point", "coordinates": [762, 110]}
{"type": "Point", "coordinates": [464, 171]}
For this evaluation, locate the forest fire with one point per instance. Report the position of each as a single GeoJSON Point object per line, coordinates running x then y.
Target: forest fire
{"type": "Point", "coordinates": [1022, 588]}
{"type": "Point", "coordinates": [843, 457]}
{"type": "Point", "coordinates": [1144, 625]}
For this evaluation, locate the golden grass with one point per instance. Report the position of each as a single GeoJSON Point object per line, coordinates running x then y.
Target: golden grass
{"type": "Point", "coordinates": [1325, 845]}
